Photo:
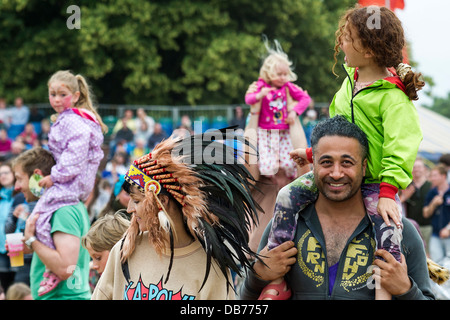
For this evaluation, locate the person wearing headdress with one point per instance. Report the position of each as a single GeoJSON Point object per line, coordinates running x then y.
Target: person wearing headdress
{"type": "Point", "coordinates": [191, 209]}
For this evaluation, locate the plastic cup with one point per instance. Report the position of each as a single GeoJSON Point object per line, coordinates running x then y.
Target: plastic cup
{"type": "Point", "coordinates": [15, 249]}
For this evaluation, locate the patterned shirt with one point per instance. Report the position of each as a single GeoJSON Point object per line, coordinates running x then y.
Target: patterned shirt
{"type": "Point", "coordinates": [75, 142]}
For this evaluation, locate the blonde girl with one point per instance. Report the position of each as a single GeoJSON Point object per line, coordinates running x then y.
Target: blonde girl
{"type": "Point", "coordinates": [273, 88]}
{"type": "Point", "coordinates": [75, 141]}
{"type": "Point", "coordinates": [101, 237]}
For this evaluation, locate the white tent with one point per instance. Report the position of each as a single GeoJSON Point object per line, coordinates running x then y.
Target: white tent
{"type": "Point", "coordinates": [436, 133]}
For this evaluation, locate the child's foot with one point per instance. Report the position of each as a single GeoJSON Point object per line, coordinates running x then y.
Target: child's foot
{"type": "Point", "coordinates": [276, 290]}
{"type": "Point", "coordinates": [49, 283]}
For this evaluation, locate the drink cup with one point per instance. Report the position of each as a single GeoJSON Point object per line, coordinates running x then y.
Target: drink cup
{"type": "Point", "coordinates": [15, 249]}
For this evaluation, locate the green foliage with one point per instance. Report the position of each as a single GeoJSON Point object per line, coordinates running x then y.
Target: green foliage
{"type": "Point", "coordinates": [441, 105]}
{"type": "Point", "coordinates": [168, 52]}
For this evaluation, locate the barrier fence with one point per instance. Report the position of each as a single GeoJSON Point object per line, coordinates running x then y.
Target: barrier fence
{"type": "Point", "coordinates": [211, 116]}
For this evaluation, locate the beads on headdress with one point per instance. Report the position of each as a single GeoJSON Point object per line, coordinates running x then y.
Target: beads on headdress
{"type": "Point", "coordinates": [153, 186]}
{"type": "Point", "coordinates": [159, 176]}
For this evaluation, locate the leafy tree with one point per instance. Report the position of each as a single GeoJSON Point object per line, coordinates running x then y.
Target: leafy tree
{"type": "Point", "coordinates": [168, 52]}
{"type": "Point", "coordinates": [441, 105]}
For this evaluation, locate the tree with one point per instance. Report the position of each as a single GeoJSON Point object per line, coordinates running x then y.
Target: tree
{"type": "Point", "coordinates": [167, 52]}
{"type": "Point", "coordinates": [441, 105]}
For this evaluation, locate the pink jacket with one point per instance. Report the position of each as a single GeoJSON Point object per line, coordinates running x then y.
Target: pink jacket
{"type": "Point", "coordinates": [274, 112]}
{"type": "Point", "coordinates": [75, 142]}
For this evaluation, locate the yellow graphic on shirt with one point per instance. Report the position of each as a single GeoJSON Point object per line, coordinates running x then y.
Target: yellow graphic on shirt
{"type": "Point", "coordinates": [314, 258]}
{"type": "Point", "coordinates": [312, 262]}
{"type": "Point", "coordinates": [357, 257]}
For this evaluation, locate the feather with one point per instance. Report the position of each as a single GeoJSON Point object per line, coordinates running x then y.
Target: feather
{"type": "Point", "coordinates": [204, 241]}
{"type": "Point", "coordinates": [164, 221]}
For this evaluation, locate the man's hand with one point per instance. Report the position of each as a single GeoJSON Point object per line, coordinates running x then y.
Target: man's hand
{"type": "Point", "coordinates": [291, 117]}
{"type": "Point", "coordinates": [278, 261]}
{"type": "Point", "coordinates": [21, 211]}
{"type": "Point", "coordinates": [437, 200]}
{"type": "Point", "coordinates": [428, 210]}
{"type": "Point", "coordinates": [253, 87]}
{"type": "Point", "coordinates": [264, 92]}
{"type": "Point", "coordinates": [255, 108]}
{"type": "Point", "coordinates": [30, 231]}
{"type": "Point", "coordinates": [392, 275]}
{"type": "Point", "coordinates": [30, 226]}
{"type": "Point", "coordinates": [407, 193]}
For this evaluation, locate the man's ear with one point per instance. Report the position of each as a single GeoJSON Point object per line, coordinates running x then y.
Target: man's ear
{"type": "Point", "coordinates": [364, 164]}
{"type": "Point", "coordinates": [38, 171]}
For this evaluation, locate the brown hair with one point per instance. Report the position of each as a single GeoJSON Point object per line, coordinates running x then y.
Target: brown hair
{"type": "Point", "coordinates": [36, 158]}
{"type": "Point", "coordinates": [385, 42]}
{"type": "Point", "coordinates": [445, 159]}
{"type": "Point", "coordinates": [78, 83]}
{"type": "Point", "coordinates": [441, 168]}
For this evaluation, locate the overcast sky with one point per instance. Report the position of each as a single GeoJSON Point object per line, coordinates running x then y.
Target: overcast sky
{"type": "Point", "coordinates": [426, 27]}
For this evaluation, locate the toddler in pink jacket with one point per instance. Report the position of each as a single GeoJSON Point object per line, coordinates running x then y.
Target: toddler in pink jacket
{"type": "Point", "coordinates": [273, 86]}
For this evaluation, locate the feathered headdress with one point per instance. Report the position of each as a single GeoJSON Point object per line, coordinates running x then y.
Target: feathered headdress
{"type": "Point", "coordinates": [207, 177]}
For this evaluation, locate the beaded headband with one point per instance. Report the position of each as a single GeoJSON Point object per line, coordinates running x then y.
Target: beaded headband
{"type": "Point", "coordinates": [148, 175]}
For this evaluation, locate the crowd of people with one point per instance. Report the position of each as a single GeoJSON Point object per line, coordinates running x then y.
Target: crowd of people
{"type": "Point", "coordinates": [134, 217]}
{"type": "Point", "coordinates": [21, 128]}
{"type": "Point", "coordinates": [133, 136]}
{"type": "Point", "coordinates": [108, 202]}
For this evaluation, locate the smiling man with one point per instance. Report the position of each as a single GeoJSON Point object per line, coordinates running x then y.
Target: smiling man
{"type": "Point", "coordinates": [333, 250]}
{"type": "Point", "coordinates": [338, 174]}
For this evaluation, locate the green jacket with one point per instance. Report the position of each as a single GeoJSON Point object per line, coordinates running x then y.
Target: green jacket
{"type": "Point", "coordinates": [389, 119]}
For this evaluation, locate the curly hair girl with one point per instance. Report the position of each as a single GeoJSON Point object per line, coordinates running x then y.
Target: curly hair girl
{"type": "Point", "coordinates": [386, 42]}
{"type": "Point", "coordinates": [378, 99]}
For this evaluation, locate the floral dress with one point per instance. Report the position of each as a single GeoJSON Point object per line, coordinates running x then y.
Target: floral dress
{"type": "Point", "coordinates": [294, 197]}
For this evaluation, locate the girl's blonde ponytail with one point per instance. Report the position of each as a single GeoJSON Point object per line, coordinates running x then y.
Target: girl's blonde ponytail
{"type": "Point", "coordinates": [85, 101]}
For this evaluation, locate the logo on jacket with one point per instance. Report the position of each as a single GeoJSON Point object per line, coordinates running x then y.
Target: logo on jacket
{"type": "Point", "coordinates": [312, 262]}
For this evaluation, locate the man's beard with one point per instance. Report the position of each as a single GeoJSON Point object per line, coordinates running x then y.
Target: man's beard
{"type": "Point", "coordinates": [349, 190]}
